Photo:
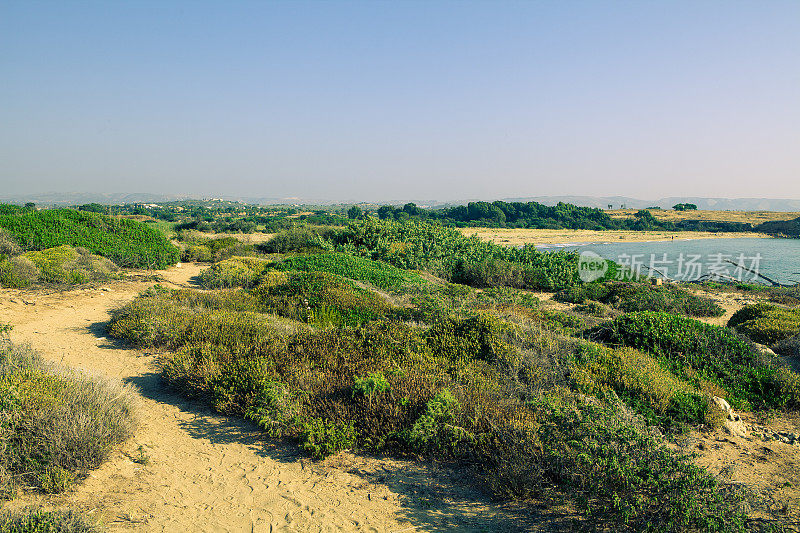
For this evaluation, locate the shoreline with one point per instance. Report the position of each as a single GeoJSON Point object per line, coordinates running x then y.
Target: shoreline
{"type": "Point", "coordinates": [519, 237]}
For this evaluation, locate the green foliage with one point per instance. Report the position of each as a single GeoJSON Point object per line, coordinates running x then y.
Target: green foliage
{"type": "Point", "coordinates": [696, 351]}
{"type": "Point", "coordinates": [377, 273]}
{"type": "Point", "coordinates": [54, 424]}
{"type": "Point", "coordinates": [446, 252]}
{"type": "Point", "coordinates": [126, 242]}
{"type": "Point", "coordinates": [322, 298]}
{"type": "Point", "coordinates": [296, 239]}
{"type": "Point", "coordinates": [684, 207]}
{"type": "Point", "coordinates": [370, 385]}
{"type": "Point", "coordinates": [275, 409]}
{"type": "Point", "coordinates": [234, 272]}
{"type": "Point", "coordinates": [635, 296]}
{"type": "Point", "coordinates": [434, 431]}
{"type": "Point", "coordinates": [202, 249]}
{"type": "Point", "coordinates": [60, 265]}
{"type": "Point", "coordinates": [32, 520]}
{"type": "Point", "coordinates": [322, 438]}
{"type": "Point", "coordinates": [765, 323]}
{"type": "Point", "coordinates": [627, 480]}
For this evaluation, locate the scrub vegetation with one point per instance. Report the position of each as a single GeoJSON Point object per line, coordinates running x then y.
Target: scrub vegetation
{"type": "Point", "coordinates": [127, 243]}
{"type": "Point", "coordinates": [411, 339]}
{"type": "Point", "coordinates": [55, 424]}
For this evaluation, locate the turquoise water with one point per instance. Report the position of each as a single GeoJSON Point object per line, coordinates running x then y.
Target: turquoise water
{"type": "Point", "coordinates": [685, 260]}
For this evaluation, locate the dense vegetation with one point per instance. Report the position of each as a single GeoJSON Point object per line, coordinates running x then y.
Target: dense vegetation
{"type": "Point", "coordinates": [789, 228]}
{"type": "Point", "coordinates": [127, 243]}
{"type": "Point", "coordinates": [636, 296]}
{"type": "Point", "coordinates": [453, 256]}
{"type": "Point", "coordinates": [481, 376]}
{"type": "Point", "coordinates": [533, 215]}
{"type": "Point", "coordinates": [704, 354]}
{"type": "Point", "coordinates": [63, 265]}
{"type": "Point", "coordinates": [54, 424]}
{"type": "Point", "coordinates": [523, 215]}
{"type": "Point", "coordinates": [765, 323]}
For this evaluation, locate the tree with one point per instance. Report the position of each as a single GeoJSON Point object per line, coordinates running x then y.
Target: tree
{"type": "Point", "coordinates": [30, 205]}
{"type": "Point", "coordinates": [684, 207]}
{"type": "Point", "coordinates": [354, 213]}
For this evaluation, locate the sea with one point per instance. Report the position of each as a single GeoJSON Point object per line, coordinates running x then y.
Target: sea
{"type": "Point", "coordinates": [690, 259]}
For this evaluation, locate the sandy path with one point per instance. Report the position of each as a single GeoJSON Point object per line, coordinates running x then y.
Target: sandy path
{"type": "Point", "coordinates": [212, 473]}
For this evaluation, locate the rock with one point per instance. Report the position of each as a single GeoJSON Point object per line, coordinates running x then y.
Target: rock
{"type": "Point", "coordinates": [764, 350]}
{"type": "Point", "coordinates": [177, 265]}
{"type": "Point", "coordinates": [105, 289]}
{"type": "Point", "coordinates": [721, 403]}
{"type": "Point", "coordinates": [736, 427]}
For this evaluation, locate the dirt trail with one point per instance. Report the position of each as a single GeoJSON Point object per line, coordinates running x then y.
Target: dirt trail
{"type": "Point", "coordinates": [212, 473]}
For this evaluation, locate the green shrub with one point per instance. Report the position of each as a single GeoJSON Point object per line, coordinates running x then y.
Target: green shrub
{"type": "Point", "coordinates": [202, 249]}
{"type": "Point", "coordinates": [55, 424]}
{"type": "Point", "coordinates": [322, 299]}
{"type": "Point", "coordinates": [127, 243]}
{"type": "Point", "coordinates": [507, 398]}
{"type": "Point", "coordinates": [60, 265]}
{"type": "Point", "coordinates": [322, 438]}
{"type": "Point", "coordinates": [765, 323]}
{"type": "Point", "coordinates": [18, 272]}
{"type": "Point", "coordinates": [32, 520]}
{"type": "Point", "coordinates": [8, 247]}
{"type": "Point", "coordinates": [296, 239]}
{"type": "Point", "coordinates": [434, 430]}
{"type": "Point", "coordinates": [370, 385]}
{"type": "Point", "coordinates": [696, 351]}
{"type": "Point", "coordinates": [234, 272]}
{"type": "Point", "coordinates": [275, 409]}
{"type": "Point", "coordinates": [637, 378]}
{"type": "Point", "coordinates": [626, 480]}
{"type": "Point", "coordinates": [377, 273]}
{"type": "Point", "coordinates": [636, 296]}
{"type": "Point", "coordinates": [448, 253]}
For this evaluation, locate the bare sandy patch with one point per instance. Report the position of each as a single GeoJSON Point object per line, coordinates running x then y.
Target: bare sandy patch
{"type": "Point", "coordinates": [520, 237]}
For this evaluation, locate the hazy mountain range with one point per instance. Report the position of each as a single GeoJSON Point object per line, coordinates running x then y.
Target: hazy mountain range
{"type": "Point", "coordinates": [716, 204]}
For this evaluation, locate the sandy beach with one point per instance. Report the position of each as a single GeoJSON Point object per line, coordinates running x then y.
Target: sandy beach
{"type": "Point", "coordinates": [519, 237]}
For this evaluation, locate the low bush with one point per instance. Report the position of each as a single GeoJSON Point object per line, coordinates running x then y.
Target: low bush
{"type": "Point", "coordinates": [322, 298]}
{"type": "Point", "coordinates": [296, 239]}
{"type": "Point", "coordinates": [655, 393]}
{"type": "Point", "coordinates": [697, 352]}
{"type": "Point", "coordinates": [55, 424]}
{"type": "Point", "coordinates": [765, 323]}
{"type": "Point", "coordinates": [61, 265]}
{"type": "Point", "coordinates": [377, 273]}
{"type": "Point", "coordinates": [202, 249]}
{"type": "Point", "coordinates": [634, 296]}
{"type": "Point", "coordinates": [36, 520]}
{"type": "Point", "coordinates": [234, 272]}
{"type": "Point", "coordinates": [128, 243]}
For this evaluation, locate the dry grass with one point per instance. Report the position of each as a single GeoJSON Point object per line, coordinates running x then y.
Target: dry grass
{"type": "Point", "coordinates": [55, 424]}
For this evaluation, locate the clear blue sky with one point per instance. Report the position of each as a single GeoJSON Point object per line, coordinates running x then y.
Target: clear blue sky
{"type": "Point", "coordinates": [400, 100]}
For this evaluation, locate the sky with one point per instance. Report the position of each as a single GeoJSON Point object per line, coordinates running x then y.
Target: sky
{"type": "Point", "coordinates": [378, 100]}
